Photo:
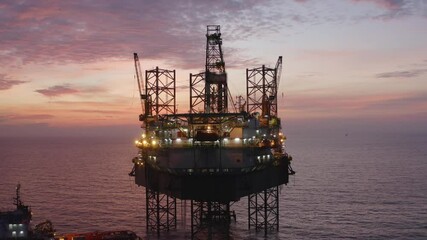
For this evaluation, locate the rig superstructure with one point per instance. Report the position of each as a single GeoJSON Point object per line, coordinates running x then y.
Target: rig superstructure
{"type": "Point", "coordinates": [210, 155]}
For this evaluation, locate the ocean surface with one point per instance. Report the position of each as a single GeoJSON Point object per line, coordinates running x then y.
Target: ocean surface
{"type": "Point", "coordinates": [347, 187]}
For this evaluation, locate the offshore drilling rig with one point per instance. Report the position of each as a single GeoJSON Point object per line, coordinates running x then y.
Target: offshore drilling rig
{"type": "Point", "coordinates": [211, 156]}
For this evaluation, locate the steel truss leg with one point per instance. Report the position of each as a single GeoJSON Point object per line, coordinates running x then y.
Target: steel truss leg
{"type": "Point", "coordinates": [210, 220]}
{"type": "Point", "coordinates": [160, 211]}
{"type": "Point", "coordinates": [263, 210]}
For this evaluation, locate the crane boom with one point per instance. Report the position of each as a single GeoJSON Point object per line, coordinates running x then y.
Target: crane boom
{"type": "Point", "coordinates": [142, 95]}
{"type": "Point", "coordinates": [278, 72]}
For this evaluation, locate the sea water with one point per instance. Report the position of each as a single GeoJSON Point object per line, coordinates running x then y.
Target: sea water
{"type": "Point", "coordinates": [346, 187]}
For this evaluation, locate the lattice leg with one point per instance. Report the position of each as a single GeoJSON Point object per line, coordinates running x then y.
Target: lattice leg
{"type": "Point", "coordinates": [263, 210]}
{"type": "Point", "coordinates": [160, 211]}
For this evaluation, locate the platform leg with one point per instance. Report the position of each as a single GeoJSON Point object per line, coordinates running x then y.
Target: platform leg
{"type": "Point", "coordinates": [160, 211]}
{"type": "Point", "coordinates": [263, 210]}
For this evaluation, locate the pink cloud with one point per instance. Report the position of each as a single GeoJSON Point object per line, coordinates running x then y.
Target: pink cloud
{"type": "Point", "coordinates": [72, 31]}
{"type": "Point", "coordinates": [68, 89]}
{"type": "Point", "coordinates": [98, 111]}
{"type": "Point", "coordinates": [402, 74]}
{"type": "Point", "coordinates": [28, 117]}
{"type": "Point", "coordinates": [387, 4]}
{"type": "Point", "coordinates": [341, 105]}
{"type": "Point", "coordinates": [325, 53]}
{"type": "Point", "coordinates": [57, 91]}
{"type": "Point", "coordinates": [7, 83]}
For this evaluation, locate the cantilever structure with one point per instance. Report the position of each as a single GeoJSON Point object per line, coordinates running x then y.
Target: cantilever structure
{"type": "Point", "coordinates": [211, 156]}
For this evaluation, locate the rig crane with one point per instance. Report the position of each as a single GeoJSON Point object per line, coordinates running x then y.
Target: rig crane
{"type": "Point", "coordinates": [142, 94]}
{"type": "Point", "coordinates": [278, 73]}
{"type": "Point", "coordinates": [276, 81]}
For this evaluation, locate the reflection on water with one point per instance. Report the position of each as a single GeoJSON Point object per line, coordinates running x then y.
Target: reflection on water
{"type": "Point", "coordinates": [345, 187]}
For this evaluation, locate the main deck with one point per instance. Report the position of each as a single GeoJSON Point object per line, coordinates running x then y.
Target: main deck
{"type": "Point", "coordinates": [210, 157]}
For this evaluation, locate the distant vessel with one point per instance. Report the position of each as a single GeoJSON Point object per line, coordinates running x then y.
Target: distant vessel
{"type": "Point", "coordinates": [16, 224]}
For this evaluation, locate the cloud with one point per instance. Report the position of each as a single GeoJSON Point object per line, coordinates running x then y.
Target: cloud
{"type": "Point", "coordinates": [386, 10]}
{"type": "Point", "coordinates": [82, 31]}
{"type": "Point", "coordinates": [65, 89]}
{"type": "Point", "coordinates": [302, 105]}
{"type": "Point", "coordinates": [173, 31]}
{"type": "Point", "coordinates": [57, 91]}
{"type": "Point", "coordinates": [402, 74]}
{"type": "Point", "coordinates": [98, 111]}
{"type": "Point", "coordinates": [182, 87]}
{"type": "Point", "coordinates": [397, 8]}
{"type": "Point", "coordinates": [386, 4]}
{"type": "Point", "coordinates": [402, 101]}
{"type": "Point", "coordinates": [27, 117]}
{"type": "Point", "coordinates": [6, 83]}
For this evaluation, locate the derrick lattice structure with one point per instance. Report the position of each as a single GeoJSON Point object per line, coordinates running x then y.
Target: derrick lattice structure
{"type": "Point", "coordinates": [161, 87]}
{"type": "Point", "coordinates": [209, 89]}
{"type": "Point", "coordinates": [262, 85]}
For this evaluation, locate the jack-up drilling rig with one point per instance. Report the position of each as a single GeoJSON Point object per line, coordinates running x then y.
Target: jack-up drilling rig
{"type": "Point", "coordinates": [211, 156]}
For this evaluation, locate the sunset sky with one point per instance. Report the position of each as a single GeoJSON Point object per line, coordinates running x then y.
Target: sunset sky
{"type": "Point", "coordinates": [67, 66]}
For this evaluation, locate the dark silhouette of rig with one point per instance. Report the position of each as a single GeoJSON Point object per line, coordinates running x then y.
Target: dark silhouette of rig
{"type": "Point", "coordinates": [211, 156]}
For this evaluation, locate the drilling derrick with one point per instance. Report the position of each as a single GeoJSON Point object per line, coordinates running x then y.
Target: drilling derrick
{"type": "Point", "coordinates": [209, 88]}
{"type": "Point", "coordinates": [211, 157]}
{"type": "Point", "coordinates": [216, 78]}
